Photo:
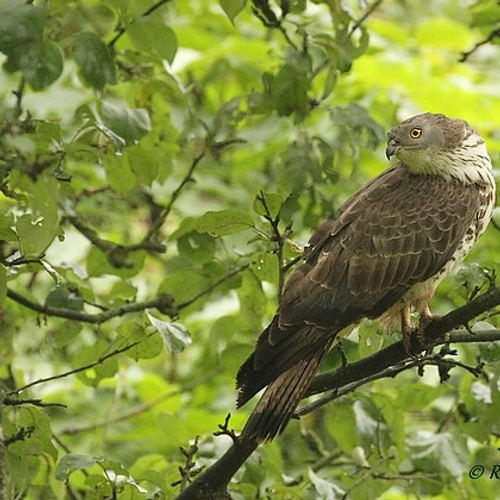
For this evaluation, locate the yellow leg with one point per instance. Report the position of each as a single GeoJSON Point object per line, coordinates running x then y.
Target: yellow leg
{"type": "Point", "coordinates": [406, 328]}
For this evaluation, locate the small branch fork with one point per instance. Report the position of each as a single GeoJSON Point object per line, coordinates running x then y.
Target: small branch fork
{"type": "Point", "coordinates": [494, 34]}
{"type": "Point", "coordinates": [277, 237]}
{"type": "Point", "coordinates": [212, 483]}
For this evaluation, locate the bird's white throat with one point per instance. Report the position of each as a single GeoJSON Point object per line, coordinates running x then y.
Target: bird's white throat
{"type": "Point", "coordinates": [468, 163]}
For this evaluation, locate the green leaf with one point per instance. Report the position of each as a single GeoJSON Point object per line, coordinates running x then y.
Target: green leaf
{"type": "Point", "coordinates": [128, 123]}
{"type": "Point", "coordinates": [288, 89]}
{"type": "Point", "coordinates": [94, 60]}
{"type": "Point", "coordinates": [6, 224]}
{"type": "Point", "coordinates": [342, 426]}
{"type": "Point", "coordinates": [265, 266]}
{"type": "Point", "coordinates": [151, 35]}
{"type": "Point", "coordinates": [443, 33]}
{"type": "Point", "coordinates": [232, 7]}
{"type": "Point", "coordinates": [47, 67]}
{"type": "Point", "coordinates": [21, 29]}
{"type": "Point", "coordinates": [88, 355]}
{"type": "Point", "coordinates": [39, 440]}
{"type": "Point", "coordinates": [71, 463]}
{"type": "Point", "coordinates": [224, 222]}
{"type": "Point", "coordinates": [148, 345]}
{"type": "Point", "coordinates": [37, 228]}
{"type": "Point", "coordinates": [197, 247]}
{"type": "Point", "coordinates": [20, 25]}
{"type": "Point", "coordinates": [3, 284]}
{"type": "Point", "coordinates": [65, 332]}
{"type": "Point", "coordinates": [175, 335]}
{"type": "Point", "coordinates": [62, 298]}
{"type": "Point", "coordinates": [253, 302]}
{"type": "Point", "coordinates": [272, 201]}
{"type": "Point", "coordinates": [144, 164]}
{"type": "Point", "coordinates": [118, 173]}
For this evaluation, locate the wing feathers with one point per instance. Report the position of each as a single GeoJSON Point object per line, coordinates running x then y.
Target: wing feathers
{"type": "Point", "coordinates": [399, 230]}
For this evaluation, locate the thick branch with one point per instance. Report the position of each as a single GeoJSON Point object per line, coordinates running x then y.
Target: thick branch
{"type": "Point", "coordinates": [213, 482]}
{"type": "Point", "coordinates": [436, 332]}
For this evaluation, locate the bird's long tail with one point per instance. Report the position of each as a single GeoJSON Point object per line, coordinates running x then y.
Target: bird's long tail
{"type": "Point", "coordinates": [276, 406]}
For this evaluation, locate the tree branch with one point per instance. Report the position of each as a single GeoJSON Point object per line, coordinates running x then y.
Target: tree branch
{"type": "Point", "coordinates": [436, 332]}
{"type": "Point", "coordinates": [80, 369]}
{"type": "Point", "coordinates": [390, 361]}
{"type": "Point", "coordinates": [214, 285]}
{"type": "Point", "coordinates": [373, 7]}
{"type": "Point", "coordinates": [164, 303]}
{"type": "Point", "coordinates": [159, 221]}
{"type": "Point", "coordinates": [465, 55]}
{"type": "Point", "coordinates": [116, 253]}
{"type": "Point", "coordinates": [277, 237]}
{"type": "Point", "coordinates": [19, 93]}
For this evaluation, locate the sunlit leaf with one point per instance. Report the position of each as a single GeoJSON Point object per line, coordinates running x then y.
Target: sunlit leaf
{"type": "Point", "coordinates": [175, 335]}
{"type": "Point", "coordinates": [232, 7]}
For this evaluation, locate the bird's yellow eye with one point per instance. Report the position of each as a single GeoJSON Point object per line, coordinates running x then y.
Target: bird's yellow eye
{"type": "Point", "coordinates": [415, 133]}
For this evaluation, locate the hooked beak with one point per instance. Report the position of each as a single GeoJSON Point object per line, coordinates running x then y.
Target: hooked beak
{"type": "Point", "coordinates": [391, 148]}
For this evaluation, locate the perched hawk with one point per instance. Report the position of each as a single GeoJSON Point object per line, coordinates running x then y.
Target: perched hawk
{"type": "Point", "coordinates": [385, 253]}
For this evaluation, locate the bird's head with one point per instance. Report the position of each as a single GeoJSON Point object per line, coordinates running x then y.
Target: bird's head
{"type": "Point", "coordinates": [434, 144]}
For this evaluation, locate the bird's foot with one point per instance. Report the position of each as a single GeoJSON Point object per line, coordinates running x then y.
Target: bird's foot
{"type": "Point", "coordinates": [415, 339]}
{"type": "Point", "coordinates": [426, 318]}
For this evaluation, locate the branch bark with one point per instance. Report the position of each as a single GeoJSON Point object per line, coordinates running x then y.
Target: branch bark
{"type": "Point", "coordinates": [212, 484]}
{"type": "Point", "coordinates": [164, 303]}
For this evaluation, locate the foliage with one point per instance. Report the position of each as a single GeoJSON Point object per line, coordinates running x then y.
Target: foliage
{"type": "Point", "coordinates": [160, 165]}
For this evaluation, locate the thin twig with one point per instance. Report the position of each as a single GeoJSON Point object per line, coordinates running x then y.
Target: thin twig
{"type": "Point", "coordinates": [277, 237]}
{"type": "Point", "coordinates": [143, 408]}
{"type": "Point", "coordinates": [34, 402]}
{"type": "Point", "coordinates": [365, 16]}
{"type": "Point", "coordinates": [19, 92]}
{"type": "Point", "coordinates": [80, 369]}
{"type": "Point", "coordinates": [465, 55]}
{"type": "Point", "coordinates": [160, 220]}
{"type": "Point", "coordinates": [214, 285]}
{"type": "Point", "coordinates": [122, 30]}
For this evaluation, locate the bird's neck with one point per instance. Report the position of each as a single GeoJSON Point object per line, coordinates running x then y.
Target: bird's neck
{"type": "Point", "coordinates": [468, 163]}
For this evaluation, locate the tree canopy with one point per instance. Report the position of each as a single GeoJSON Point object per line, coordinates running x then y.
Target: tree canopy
{"type": "Point", "coordinates": [162, 165]}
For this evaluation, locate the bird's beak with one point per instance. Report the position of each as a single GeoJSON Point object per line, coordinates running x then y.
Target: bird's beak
{"type": "Point", "coordinates": [391, 148]}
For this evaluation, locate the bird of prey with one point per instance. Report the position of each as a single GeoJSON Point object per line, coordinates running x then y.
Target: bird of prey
{"type": "Point", "coordinates": [384, 255]}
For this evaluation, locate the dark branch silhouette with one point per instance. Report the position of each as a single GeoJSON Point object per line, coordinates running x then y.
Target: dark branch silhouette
{"type": "Point", "coordinates": [465, 55]}
{"type": "Point", "coordinates": [213, 482]}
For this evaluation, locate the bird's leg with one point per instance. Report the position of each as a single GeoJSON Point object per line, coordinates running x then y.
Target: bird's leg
{"type": "Point", "coordinates": [407, 329]}
{"type": "Point", "coordinates": [426, 317]}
